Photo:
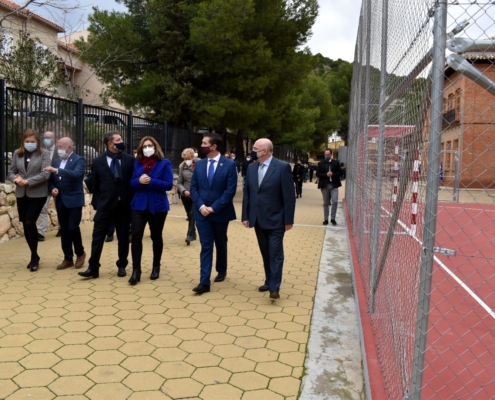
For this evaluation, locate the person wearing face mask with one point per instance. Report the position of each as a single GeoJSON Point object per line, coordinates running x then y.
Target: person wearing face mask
{"type": "Point", "coordinates": [186, 170]}
{"type": "Point", "coordinates": [213, 187]}
{"type": "Point", "coordinates": [245, 164]}
{"type": "Point", "coordinates": [328, 173]}
{"type": "Point", "coordinates": [151, 179]}
{"type": "Point", "coordinates": [66, 185]}
{"type": "Point", "coordinates": [268, 206]}
{"type": "Point", "coordinates": [27, 172]}
{"type": "Point", "coordinates": [110, 183]}
{"type": "Point", "coordinates": [237, 163]}
{"type": "Point", "coordinates": [49, 144]}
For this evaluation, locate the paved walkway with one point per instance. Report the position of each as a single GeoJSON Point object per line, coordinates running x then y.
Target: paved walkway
{"type": "Point", "coordinates": [65, 337]}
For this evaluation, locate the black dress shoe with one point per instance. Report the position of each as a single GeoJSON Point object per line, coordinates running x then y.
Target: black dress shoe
{"type": "Point", "coordinates": [121, 272]}
{"type": "Point", "coordinates": [333, 222]}
{"type": "Point", "coordinates": [41, 238]}
{"type": "Point", "coordinates": [135, 277]}
{"type": "Point", "coordinates": [274, 295]}
{"type": "Point", "coordinates": [34, 267]}
{"type": "Point", "coordinates": [155, 273]}
{"type": "Point", "coordinates": [325, 222]}
{"type": "Point", "coordinates": [200, 289]}
{"type": "Point", "coordinates": [90, 273]}
{"type": "Point", "coordinates": [59, 233]}
{"type": "Point", "coordinates": [109, 238]}
{"type": "Point", "coordinates": [188, 241]}
{"type": "Point", "coordinates": [264, 288]}
{"type": "Point", "coordinates": [220, 278]}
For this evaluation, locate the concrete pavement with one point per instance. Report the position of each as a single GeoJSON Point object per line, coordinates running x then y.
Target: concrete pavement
{"type": "Point", "coordinates": [68, 338]}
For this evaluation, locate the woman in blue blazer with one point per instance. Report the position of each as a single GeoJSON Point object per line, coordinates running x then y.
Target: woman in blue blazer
{"type": "Point", "coordinates": [151, 179]}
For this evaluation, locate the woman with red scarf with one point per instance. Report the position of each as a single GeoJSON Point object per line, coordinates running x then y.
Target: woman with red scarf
{"type": "Point", "coordinates": [152, 178]}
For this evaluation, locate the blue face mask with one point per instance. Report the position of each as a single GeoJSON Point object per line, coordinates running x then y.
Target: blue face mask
{"type": "Point", "coordinates": [30, 146]}
{"type": "Point", "coordinates": [119, 146]}
{"type": "Point", "coordinates": [47, 142]}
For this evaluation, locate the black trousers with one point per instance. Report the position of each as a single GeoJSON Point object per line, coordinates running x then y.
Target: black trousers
{"type": "Point", "coordinates": [188, 206]}
{"type": "Point", "coordinates": [69, 220]}
{"type": "Point", "coordinates": [156, 222]}
{"type": "Point", "coordinates": [29, 209]}
{"type": "Point", "coordinates": [121, 217]}
{"type": "Point", "coordinates": [299, 185]}
{"type": "Point", "coordinates": [271, 243]}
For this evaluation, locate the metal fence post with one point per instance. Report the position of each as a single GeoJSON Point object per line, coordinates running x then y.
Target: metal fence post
{"type": "Point", "coordinates": [130, 143]}
{"type": "Point", "coordinates": [80, 126]}
{"type": "Point", "coordinates": [3, 151]}
{"type": "Point", "coordinates": [437, 89]}
{"type": "Point", "coordinates": [379, 168]}
{"type": "Point", "coordinates": [165, 141]}
{"type": "Point", "coordinates": [365, 128]}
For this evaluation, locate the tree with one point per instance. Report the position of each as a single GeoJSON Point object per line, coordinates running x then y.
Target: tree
{"type": "Point", "coordinates": [31, 66]}
{"type": "Point", "coordinates": [221, 63]}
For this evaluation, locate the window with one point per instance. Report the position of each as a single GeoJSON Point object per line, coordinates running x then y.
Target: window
{"type": "Point", "coordinates": [458, 104]}
{"type": "Point", "coordinates": [6, 44]}
{"type": "Point", "coordinates": [451, 102]}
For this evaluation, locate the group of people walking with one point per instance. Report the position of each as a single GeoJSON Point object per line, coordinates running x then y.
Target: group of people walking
{"type": "Point", "coordinates": [131, 192]}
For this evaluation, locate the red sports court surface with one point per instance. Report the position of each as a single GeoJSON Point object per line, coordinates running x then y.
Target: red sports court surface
{"type": "Point", "coordinates": [460, 357]}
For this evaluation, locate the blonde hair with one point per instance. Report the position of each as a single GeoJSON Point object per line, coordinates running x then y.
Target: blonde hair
{"type": "Point", "coordinates": [187, 153]}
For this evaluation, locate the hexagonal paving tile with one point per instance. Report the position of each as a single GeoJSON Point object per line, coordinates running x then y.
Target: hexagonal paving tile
{"type": "Point", "coordinates": [35, 377]}
{"type": "Point", "coordinates": [137, 349]}
{"type": "Point", "coordinates": [7, 387]}
{"type": "Point", "coordinates": [211, 375]}
{"type": "Point", "coordinates": [222, 391]}
{"type": "Point", "coordinates": [249, 380]}
{"type": "Point", "coordinates": [169, 354]}
{"type": "Point", "coordinates": [250, 342]}
{"type": "Point", "coordinates": [155, 395]}
{"type": "Point", "coordinates": [39, 361]}
{"type": "Point", "coordinates": [273, 369]}
{"type": "Point", "coordinates": [72, 367]}
{"type": "Point", "coordinates": [238, 364]}
{"type": "Point", "coordinates": [285, 386]}
{"type": "Point", "coordinates": [71, 352]}
{"type": "Point", "coordinates": [182, 388]}
{"type": "Point", "coordinates": [10, 369]}
{"type": "Point", "coordinates": [106, 391]}
{"type": "Point", "coordinates": [140, 364]}
{"type": "Point", "coordinates": [144, 381]}
{"type": "Point", "coordinates": [106, 357]}
{"type": "Point", "coordinates": [228, 351]}
{"type": "Point", "coordinates": [282, 345]}
{"type": "Point", "coordinates": [196, 346]}
{"type": "Point", "coordinates": [38, 393]}
{"type": "Point", "coordinates": [105, 343]}
{"type": "Point", "coordinates": [177, 369]}
{"type": "Point", "coordinates": [262, 394]}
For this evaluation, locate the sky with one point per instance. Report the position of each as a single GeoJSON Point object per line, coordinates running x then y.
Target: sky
{"type": "Point", "coordinates": [334, 32]}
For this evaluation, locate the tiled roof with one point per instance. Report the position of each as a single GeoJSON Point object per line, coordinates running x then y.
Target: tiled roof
{"type": "Point", "coordinates": [10, 5]}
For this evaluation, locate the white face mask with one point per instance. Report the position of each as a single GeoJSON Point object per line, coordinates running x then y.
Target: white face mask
{"type": "Point", "coordinates": [233, 157]}
{"type": "Point", "coordinates": [62, 153]}
{"type": "Point", "coordinates": [248, 158]}
{"type": "Point", "coordinates": [195, 155]}
{"type": "Point", "coordinates": [148, 151]}
{"type": "Point", "coordinates": [188, 162]}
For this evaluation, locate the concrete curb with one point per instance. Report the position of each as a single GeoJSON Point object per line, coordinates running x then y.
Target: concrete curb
{"type": "Point", "coordinates": [334, 362]}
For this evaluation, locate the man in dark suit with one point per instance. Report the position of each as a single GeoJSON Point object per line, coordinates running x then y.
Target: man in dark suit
{"type": "Point", "coordinates": [213, 187]}
{"type": "Point", "coordinates": [328, 173]}
{"type": "Point", "coordinates": [49, 143]}
{"type": "Point", "coordinates": [110, 183]}
{"type": "Point", "coordinates": [268, 205]}
{"type": "Point", "coordinates": [66, 185]}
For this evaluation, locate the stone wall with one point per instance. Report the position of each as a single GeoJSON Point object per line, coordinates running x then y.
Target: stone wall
{"type": "Point", "coordinates": [11, 227]}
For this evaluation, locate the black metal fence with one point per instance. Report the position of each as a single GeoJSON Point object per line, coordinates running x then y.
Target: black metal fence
{"type": "Point", "coordinates": [86, 124]}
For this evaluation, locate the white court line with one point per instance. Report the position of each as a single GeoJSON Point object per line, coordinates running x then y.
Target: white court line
{"type": "Point", "coordinates": [444, 267]}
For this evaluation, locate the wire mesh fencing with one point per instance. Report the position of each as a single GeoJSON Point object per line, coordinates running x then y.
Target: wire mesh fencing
{"type": "Point", "coordinates": [420, 193]}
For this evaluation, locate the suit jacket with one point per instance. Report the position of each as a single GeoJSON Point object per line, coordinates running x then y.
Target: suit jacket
{"type": "Point", "coordinates": [35, 175]}
{"type": "Point", "coordinates": [101, 182]}
{"type": "Point", "coordinates": [55, 154]}
{"type": "Point", "coordinates": [152, 197]}
{"type": "Point", "coordinates": [221, 193]}
{"type": "Point", "coordinates": [273, 203]}
{"type": "Point", "coordinates": [321, 172]}
{"type": "Point", "coordinates": [69, 181]}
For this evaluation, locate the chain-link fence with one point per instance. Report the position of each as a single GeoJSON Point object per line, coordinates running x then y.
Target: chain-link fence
{"type": "Point", "coordinates": [420, 193]}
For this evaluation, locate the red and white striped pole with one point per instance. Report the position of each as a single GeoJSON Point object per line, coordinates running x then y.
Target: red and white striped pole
{"type": "Point", "coordinates": [396, 177]}
{"type": "Point", "coordinates": [414, 206]}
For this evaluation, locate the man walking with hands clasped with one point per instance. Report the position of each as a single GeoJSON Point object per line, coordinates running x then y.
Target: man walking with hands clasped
{"type": "Point", "coordinates": [213, 187]}
{"type": "Point", "coordinates": [328, 174]}
{"type": "Point", "coordinates": [268, 205]}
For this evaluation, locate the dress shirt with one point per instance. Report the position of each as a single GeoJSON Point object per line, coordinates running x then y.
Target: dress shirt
{"type": "Point", "coordinates": [266, 164]}
{"type": "Point", "coordinates": [215, 164]}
